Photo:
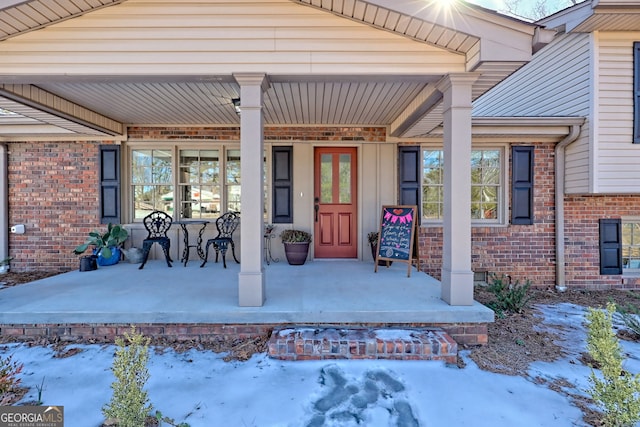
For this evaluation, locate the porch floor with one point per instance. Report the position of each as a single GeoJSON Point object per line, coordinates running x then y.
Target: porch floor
{"type": "Point", "coordinates": [318, 292]}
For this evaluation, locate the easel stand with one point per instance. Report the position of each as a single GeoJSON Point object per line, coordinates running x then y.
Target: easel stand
{"type": "Point", "coordinates": [396, 236]}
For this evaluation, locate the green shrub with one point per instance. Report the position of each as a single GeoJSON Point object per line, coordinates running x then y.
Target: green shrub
{"type": "Point", "coordinates": [510, 297]}
{"type": "Point", "coordinates": [129, 405]}
{"type": "Point", "coordinates": [9, 371]}
{"type": "Point", "coordinates": [617, 392]}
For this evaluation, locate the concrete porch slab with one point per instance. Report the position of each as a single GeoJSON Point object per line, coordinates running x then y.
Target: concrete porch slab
{"type": "Point", "coordinates": [319, 292]}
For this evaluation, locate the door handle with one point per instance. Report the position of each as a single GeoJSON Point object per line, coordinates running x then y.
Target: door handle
{"type": "Point", "coordinates": [316, 207]}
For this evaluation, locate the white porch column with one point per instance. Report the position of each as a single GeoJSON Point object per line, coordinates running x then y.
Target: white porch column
{"type": "Point", "coordinates": [251, 285]}
{"type": "Point", "coordinates": [457, 277]}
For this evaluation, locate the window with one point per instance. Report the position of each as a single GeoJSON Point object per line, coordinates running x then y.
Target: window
{"type": "Point", "coordinates": [199, 183]}
{"type": "Point", "coordinates": [233, 180]}
{"type": "Point", "coordinates": [631, 245]}
{"type": "Point", "coordinates": [486, 185]}
{"type": "Point", "coordinates": [152, 181]}
{"type": "Point", "coordinates": [207, 182]}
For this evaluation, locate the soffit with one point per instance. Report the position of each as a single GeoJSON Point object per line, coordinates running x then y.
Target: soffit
{"type": "Point", "coordinates": [22, 16]}
{"type": "Point", "coordinates": [399, 23]}
{"type": "Point", "coordinates": [628, 20]}
{"type": "Point", "coordinates": [596, 15]}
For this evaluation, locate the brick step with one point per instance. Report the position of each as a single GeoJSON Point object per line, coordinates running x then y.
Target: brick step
{"type": "Point", "coordinates": [307, 343]}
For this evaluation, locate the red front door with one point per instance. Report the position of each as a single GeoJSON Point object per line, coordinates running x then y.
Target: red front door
{"type": "Point", "coordinates": [335, 196]}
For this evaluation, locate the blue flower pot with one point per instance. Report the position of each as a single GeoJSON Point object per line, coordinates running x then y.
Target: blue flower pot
{"type": "Point", "coordinates": [115, 257]}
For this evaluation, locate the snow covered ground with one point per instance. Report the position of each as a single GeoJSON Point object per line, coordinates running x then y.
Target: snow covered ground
{"type": "Point", "coordinates": [199, 388]}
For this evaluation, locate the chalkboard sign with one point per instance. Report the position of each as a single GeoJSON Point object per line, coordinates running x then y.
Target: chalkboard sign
{"type": "Point", "coordinates": [396, 235]}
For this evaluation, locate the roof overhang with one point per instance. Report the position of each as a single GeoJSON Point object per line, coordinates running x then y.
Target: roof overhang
{"type": "Point", "coordinates": [524, 129]}
{"type": "Point", "coordinates": [596, 15]}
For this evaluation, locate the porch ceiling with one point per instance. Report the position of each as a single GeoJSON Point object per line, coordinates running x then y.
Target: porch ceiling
{"type": "Point", "coordinates": [341, 100]}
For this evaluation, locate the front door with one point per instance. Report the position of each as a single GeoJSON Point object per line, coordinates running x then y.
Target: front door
{"type": "Point", "coordinates": [335, 196]}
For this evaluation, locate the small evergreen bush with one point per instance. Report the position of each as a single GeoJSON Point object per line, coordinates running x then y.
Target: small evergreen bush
{"type": "Point", "coordinates": [129, 405]}
{"type": "Point", "coordinates": [617, 393]}
{"type": "Point", "coordinates": [509, 297]}
{"type": "Point", "coordinates": [9, 371]}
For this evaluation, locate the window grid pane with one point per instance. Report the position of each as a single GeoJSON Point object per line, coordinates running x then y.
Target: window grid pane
{"type": "Point", "coordinates": [432, 184]}
{"type": "Point", "coordinates": [233, 180]}
{"type": "Point", "coordinates": [199, 183]}
{"type": "Point", "coordinates": [486, 184]}
{"type": "Point", "coordinates": [631, 245]}
{"type": "Point", "coordinates": [151, 176]}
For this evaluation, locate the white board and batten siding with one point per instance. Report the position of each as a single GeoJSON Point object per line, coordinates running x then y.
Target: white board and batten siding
{"type": "Point", "coordinates": [617, 158]}
{"type": "Point", "coordinates": [555, 83]}
{"type": "Point", "coordinates": [173, 37]}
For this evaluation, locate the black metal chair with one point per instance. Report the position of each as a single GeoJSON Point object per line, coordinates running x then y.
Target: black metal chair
{"type": "Point", "coordinates": [226, 225]}
{"type": "Point", "coordinates": [157, 224]}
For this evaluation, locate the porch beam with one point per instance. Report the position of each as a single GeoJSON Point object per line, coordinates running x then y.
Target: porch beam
{"type": "Point", "coordinates": [457, 276]}
{"type": "Point", "coordinates": [428, 97]}
{"type": "Point", "coordinates": [251, 280]}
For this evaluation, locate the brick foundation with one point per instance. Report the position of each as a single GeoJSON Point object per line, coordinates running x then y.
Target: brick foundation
{"type": "Point", "coordinates": [461, 334]}
{"type": "Point", "coordinates": [362, 343]}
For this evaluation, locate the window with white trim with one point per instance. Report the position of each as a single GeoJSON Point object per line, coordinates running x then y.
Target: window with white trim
{"type": "Point", "coordinates": [487, 185]}
{"type": "Point", "coordinates": [631, 245]}
{"type": "Point", "coordinates": [151, 180]}
{"type": "Point", "coordinates": [207, 181]}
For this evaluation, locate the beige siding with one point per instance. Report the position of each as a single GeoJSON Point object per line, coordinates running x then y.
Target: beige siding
{"type": "Point", "coordinates": [618, 159]}
{"type": "Point", "coordinates": [577, 162]}
{"type": "Point", "coordinates": [554, 83]}
{"type": "Point", "coordinates": [218, 37]}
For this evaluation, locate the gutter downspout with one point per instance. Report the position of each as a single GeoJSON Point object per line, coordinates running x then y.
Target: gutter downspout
{"type": "Point", "coordinates": [559, 202]}
{"type": "Point", "coordinates": [4, 203]}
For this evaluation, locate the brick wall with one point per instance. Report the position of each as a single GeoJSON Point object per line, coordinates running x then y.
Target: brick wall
{"type": "Point", "coordinates": [581, 233]}
{"type": "Point", "coordinates": [292, 133]}
{"type": "Point", "coordinates": [528, 251]}
{"type": "Point", "coordinates": [53, 191]}
{"type": "Point", "coordinates": [521, 251]}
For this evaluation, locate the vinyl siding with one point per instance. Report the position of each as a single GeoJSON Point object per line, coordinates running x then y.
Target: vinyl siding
{"type": "Point", "coordinates": [617, 158]}
{"type": "Point", "coordinates": [555, 83]}
{"type": "Point", "coordinates": [218, 37]}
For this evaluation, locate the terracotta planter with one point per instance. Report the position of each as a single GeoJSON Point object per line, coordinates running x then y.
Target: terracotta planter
{"type": "Point", "coordinates": [296, 253]}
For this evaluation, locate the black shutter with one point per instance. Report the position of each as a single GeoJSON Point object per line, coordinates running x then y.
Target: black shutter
{"type": "Point", "coordinates": [522, 185]}
{"type": "Point", "coordinates": [409, 177]}
{"type": "Point", "coordinates": [282, 184]}
{"type": "Point", "coordinates": [109, 184]}
{"type": "Point", "coordinates": [610, 246]}
{"type": "Point", "coordinates": [636, 93]}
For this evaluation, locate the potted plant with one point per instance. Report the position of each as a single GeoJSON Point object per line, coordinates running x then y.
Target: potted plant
{"type": "Point", "coordinates": [372, 237]}
{"type": "Point", "coordinates": [106, 246]}
{"type": "Point", "coordinates": [4, 265]}
{"type": "Point", "coordinates": [296, 245]}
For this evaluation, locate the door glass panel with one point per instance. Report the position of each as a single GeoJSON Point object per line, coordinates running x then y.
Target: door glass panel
{"type": "Point", "coordinates": [326, 175]}
{"type": "Point", "coordinates": [345, 178]}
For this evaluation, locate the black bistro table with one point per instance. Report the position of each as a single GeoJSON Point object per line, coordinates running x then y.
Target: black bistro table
{"type": "Point", "coordinates": [185, 238]}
